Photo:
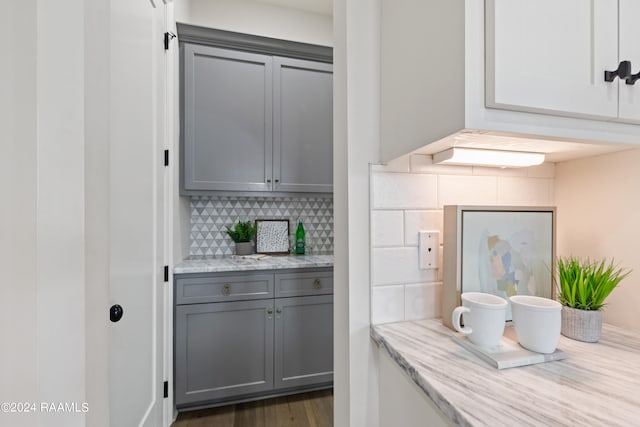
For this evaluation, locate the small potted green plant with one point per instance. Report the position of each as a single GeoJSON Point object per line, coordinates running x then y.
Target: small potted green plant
{"type": "Point", "coordinates": [583, 286]}
{"type": "Point", "coordinates": [243, 234]}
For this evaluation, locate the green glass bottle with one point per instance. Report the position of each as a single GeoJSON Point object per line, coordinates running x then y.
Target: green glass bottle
{"type": "Point", "coordinates": [300, 238]}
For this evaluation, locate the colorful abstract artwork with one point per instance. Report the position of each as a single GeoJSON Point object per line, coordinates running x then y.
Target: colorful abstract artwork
{"type": "Point", "coordinates": [507, 253]}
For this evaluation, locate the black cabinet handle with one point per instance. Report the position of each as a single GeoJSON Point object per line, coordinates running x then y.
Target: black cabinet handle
{"type": "Point", "coordinates": [632, 78]}
{"type": "Point", "coordinates": [623, 72]}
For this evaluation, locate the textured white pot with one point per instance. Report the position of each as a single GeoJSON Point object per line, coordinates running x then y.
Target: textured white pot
{"type": "Point", "coordinates": [581, 325]}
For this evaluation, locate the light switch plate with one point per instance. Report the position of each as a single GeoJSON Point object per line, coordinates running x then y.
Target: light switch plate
{"type": "Point", "coordinates": [428, 247]}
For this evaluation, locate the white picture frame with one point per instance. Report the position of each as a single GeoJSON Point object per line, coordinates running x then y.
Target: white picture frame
{"type": "Point", "coordinates": [272, 236]}
{"type": "Point", "coordinates": [501, 250]}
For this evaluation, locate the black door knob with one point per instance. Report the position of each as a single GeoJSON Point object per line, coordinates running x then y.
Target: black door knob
{"type": "Point", "coordinates": [115, 312]}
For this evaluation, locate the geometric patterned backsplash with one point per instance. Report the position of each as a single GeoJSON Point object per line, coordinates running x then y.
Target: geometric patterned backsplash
{"type": "Point", "coordinates": [210, 215]}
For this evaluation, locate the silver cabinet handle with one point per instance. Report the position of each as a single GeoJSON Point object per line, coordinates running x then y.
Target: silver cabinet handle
{"type": "Point", "coordinates": [317, 284]}
{"type": "Point", "coordinates": [226, 289]}
{"type": "Point", "coordinates": [270, 311]}
{"type": "Point", "coordinates": [279, 310]}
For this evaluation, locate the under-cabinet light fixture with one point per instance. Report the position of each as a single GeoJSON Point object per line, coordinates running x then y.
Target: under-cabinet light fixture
{"type": "Point", "coordinates": [491, 158]}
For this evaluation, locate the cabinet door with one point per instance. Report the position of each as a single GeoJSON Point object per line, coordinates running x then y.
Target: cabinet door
{"type": "Point", "coordinates": [223, 350]}
{"type": "Point", "coordinates": [227, 120]}
{"type": "Point", "coordinates": [303, 126]}
{"type": "Point", "coordinates": [630, 50]}
{"type": "Point", "coordinates": [304, 341]}
{"type": "Point", "coordinates": [549, 56]}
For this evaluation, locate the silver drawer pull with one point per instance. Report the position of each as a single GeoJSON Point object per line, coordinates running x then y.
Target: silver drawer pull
{"type": "Point", "coordinates": [269, 310]}
{"type": "Point", "coordinates": [226, 289]}
{"type": "Point", "coordinates": [279, 310]}
{"type": "Point", "coordinates": [317, 284]}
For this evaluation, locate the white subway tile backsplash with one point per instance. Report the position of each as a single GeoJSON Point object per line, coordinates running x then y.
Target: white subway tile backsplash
{"type": "Point", "coordinates": [392, 266]}
{"type": "Point", "coordinates": [404, 191]}
{"type": "Point", "coordinates": [401, 164]}
{"type": "Point", "coordinates": [387, 304]}
{"type": "Point", "coordinates": [404, 203]}
{"type": "Point", "coordinates": [525, 191]}
{"type": "Point", "coordinates": [423, 163]}
{"type": "Point", "coordinates": [415, 221]}
{"type": "Point", "coordinates": [422, 301]}
{"type": "Point", "coordinates": [467, 190]}
{"type": "Point", "coordinates": [387, 228]}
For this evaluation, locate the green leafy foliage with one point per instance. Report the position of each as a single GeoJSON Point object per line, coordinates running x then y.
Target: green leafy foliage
{"type": "Point", "coordinates": [243, 231]}
{"type": "Point", "coordinates": [585, 284]}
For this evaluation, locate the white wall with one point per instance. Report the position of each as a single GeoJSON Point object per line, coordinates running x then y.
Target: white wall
{"type": "Point", "coordinates": [97, 165]}
{"type": "Point", "coordinates": [598, 201]}
{"type": "Point", "coordinates": [408, 196]}
{"type": "Point", "coordinates": [18, 186]}
{"type": "Point", "coordinates": [356, 142]}
{"type": "Point", "coordinates": [43, 354]}
{"type": "Point", "coordinates": [258, 18]}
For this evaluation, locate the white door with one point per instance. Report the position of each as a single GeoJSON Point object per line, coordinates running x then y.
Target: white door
{"type": "Point", "coordinates": [630, 50]}
{"type": "Point", "coordinates": [549, 56]}
{"type": "Point", "coordinates": [136, 211]}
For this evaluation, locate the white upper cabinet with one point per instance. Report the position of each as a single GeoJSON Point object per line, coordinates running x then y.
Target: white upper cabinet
{"type": "Point", "coordinates": [630, 49]}
{"type": "Point", "coordinates": [550, 56]}
{"type": "Point", "coordinates": [517, 67]}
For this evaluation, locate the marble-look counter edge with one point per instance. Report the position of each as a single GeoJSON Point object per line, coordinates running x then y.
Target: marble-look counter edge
{"type": "Point", "coordinates": [450, 412]}
{"type": "Point", "coordinates": [471, 393]}
{"type": "Point", "coordinates": [228, 264]}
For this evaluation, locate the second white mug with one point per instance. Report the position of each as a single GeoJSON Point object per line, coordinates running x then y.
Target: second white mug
{"type": "Point", "coordinates": [484, 318]}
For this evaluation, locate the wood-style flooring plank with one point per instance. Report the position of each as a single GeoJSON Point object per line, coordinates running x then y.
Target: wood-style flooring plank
{"type": "Point", "coordinates": [314, 409]}
{"type": "Point", "coordinates": [219, 417]}
{"type": "Point", "coordinates": [320, 409]}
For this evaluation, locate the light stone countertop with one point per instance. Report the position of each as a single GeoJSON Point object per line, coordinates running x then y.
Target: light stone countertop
{"type": "Point", "coordinates": [597, 385]}
{"type": "Point", "coordinates": [271, 262]}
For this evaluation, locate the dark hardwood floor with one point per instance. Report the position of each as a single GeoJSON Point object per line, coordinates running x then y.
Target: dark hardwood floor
{"type": "Point", "coordinates": [313, 409]}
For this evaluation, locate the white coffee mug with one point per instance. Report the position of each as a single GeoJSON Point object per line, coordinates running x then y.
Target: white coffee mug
{"type": "Point", "coordinates": [537, 321]}
{"type": "Point", "coordinates": [484, 318]}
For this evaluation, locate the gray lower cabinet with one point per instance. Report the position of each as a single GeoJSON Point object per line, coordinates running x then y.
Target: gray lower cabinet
{"type": "Point", "coordinates": [303, 341]}
{"type": "Point", "coordinates": [241, 336]}
{"type": "Point", "coordinates": [223, 350]}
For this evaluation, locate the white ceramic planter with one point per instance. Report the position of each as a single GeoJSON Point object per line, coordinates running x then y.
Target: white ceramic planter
{"type": "Point", "coordinates": [581, 325]}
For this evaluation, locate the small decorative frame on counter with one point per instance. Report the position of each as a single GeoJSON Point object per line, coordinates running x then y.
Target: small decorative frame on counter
{"type": "Point", "coordinates": [272, 236]}
{"type": "Point", "coordinates": [501, 250]}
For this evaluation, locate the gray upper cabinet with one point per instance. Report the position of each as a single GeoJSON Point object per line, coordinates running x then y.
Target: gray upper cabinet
{"type": "Point", "coordinates": [252, 121]}
{"type": "Point", "coordinates": [227, 121]}
{"type": "Point", "coordinates": [302, 125]}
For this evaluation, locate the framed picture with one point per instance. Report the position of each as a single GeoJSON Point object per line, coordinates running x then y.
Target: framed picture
{"type": "Point", "coordinates": [499, 250]}
{"type": "Point", "coordinates": [272, 236]}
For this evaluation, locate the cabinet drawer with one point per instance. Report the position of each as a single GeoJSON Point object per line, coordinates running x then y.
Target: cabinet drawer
{"type": "Point", "coordinates": [223, 287]}
{"type": "Point", "coordinates": [319, 282]}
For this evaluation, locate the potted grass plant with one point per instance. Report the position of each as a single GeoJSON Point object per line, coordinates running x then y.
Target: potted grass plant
{"type": "Point", "coordinates": [583, 286]}
{"type": "Point", "coordinates": [243, 234]}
